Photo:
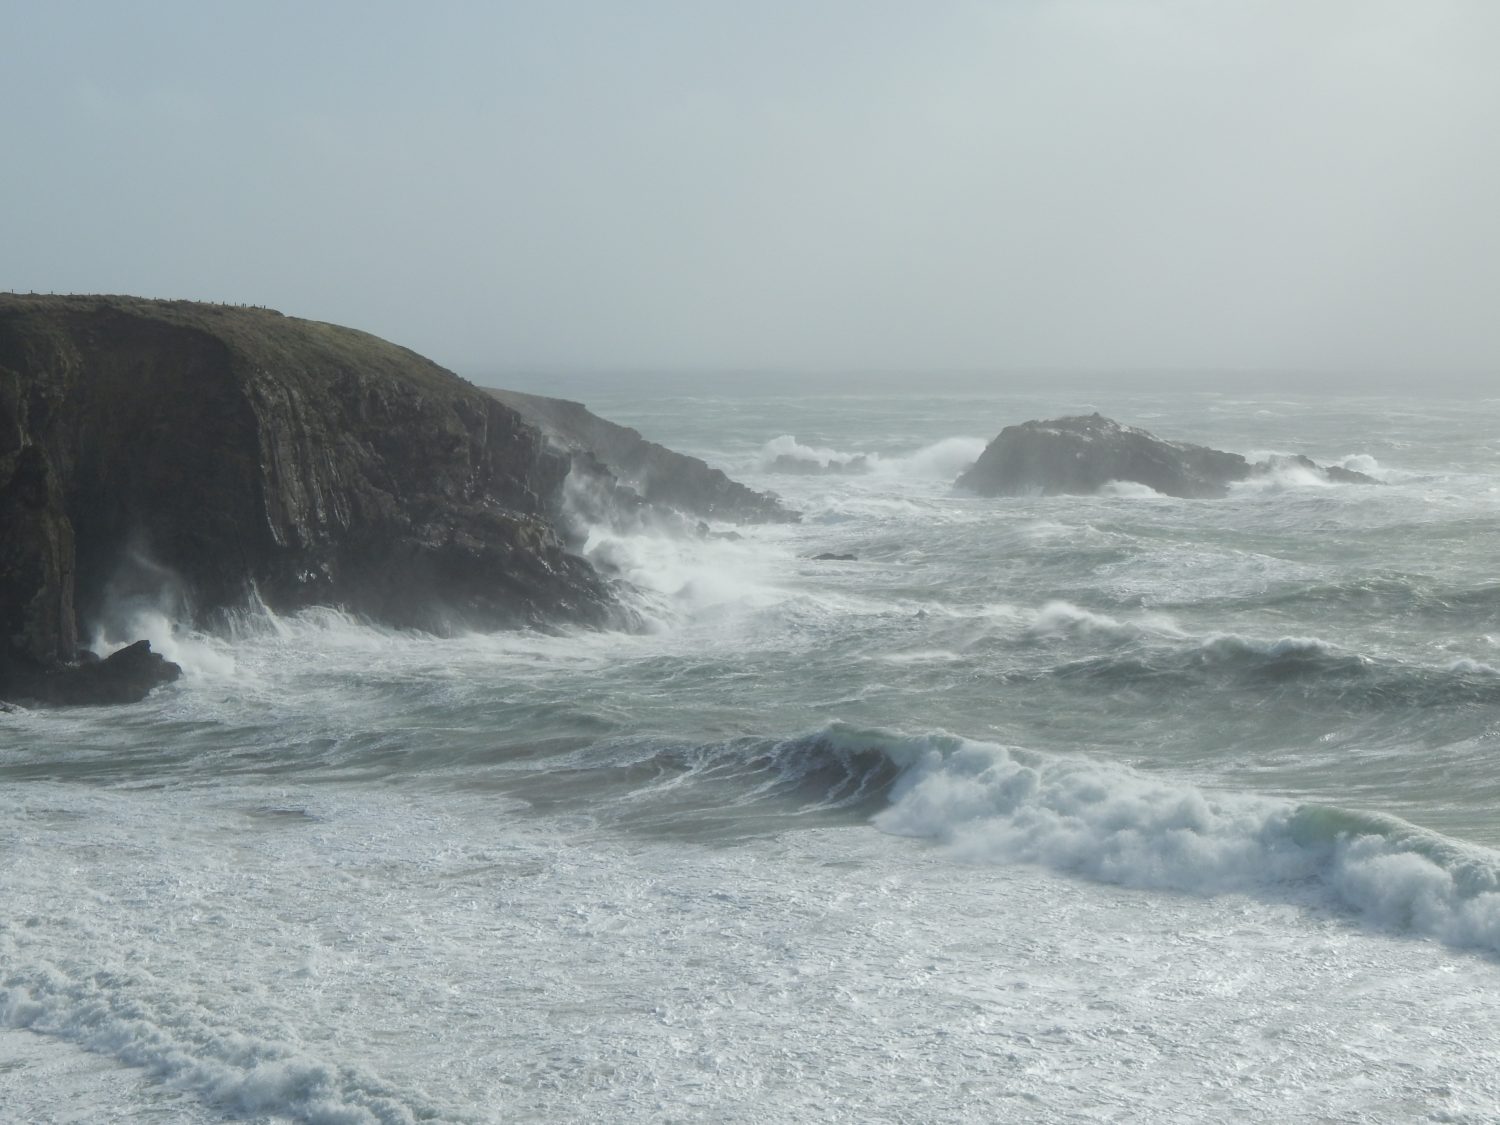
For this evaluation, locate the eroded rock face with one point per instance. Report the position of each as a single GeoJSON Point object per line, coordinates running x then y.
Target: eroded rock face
{"type": "Point", "coordinates": [1081, 454]}
{"type": "Point", "coordinates": [37, 622]}
{"type": "Point", "coordinates": [654, 473]}
{"type": "Point", "coordinates": [241, 450]}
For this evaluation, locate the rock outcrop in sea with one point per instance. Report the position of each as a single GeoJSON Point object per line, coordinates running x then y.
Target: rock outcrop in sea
{"type": "Point", "coordinates": [225, 453]}
{"type": "Point", "coordinates": [1083, 453]}
{"type": "Point", "coordinates": [657, 475]}
{"type": "Point", "coordinates": [800, 465]}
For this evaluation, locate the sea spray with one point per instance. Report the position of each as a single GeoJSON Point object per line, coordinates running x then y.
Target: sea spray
{"type": "Point", "coordinates": [941, 460]}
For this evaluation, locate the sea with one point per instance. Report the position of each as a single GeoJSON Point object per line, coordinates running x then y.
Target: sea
{"type": "Point", "coordinates": [1113, 808]}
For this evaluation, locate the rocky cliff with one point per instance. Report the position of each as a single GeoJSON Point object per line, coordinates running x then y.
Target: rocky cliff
{"type": "Point", "coordinates": [221, 450]}
{"type": "Point", "coordinates": [657, 474]}
{"type": "Point", "coordinates": [1082, 454]}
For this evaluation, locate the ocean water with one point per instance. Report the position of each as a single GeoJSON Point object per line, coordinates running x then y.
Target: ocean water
{"type": "Point", "coordinates": [1073, 809]}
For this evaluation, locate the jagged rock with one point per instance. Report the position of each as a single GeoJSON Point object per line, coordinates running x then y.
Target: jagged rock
{"type": "Point", "coordinates": [1337, 474]}
{"type": "Point", "coordinates": [792, 464]}
{"type": "Point", "coordinates": [37, 622]}
{"type": "Point", "coordinates": [1082, 454]}
{"type": "Point", "coordinates": [657, 475]}
{"type": "Point", "coordinates": [242, 450]}
{"type": "Point", "coordinates": [126, 676]}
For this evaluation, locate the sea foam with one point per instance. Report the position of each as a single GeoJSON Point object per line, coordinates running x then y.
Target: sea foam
{"type": "Point", "coordinates": [224, 1068]}
{"type": "Point", "coordinates": [940, 460]}
{"type": "Point", "coordinates": [993, 804]}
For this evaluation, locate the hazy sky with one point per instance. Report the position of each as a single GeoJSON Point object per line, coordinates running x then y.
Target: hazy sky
{"type": "Point", "coordinates": [860, 184]}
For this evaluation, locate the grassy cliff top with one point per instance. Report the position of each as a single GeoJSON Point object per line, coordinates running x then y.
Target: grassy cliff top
{"type": "Point", "coordinates": [264, 338]}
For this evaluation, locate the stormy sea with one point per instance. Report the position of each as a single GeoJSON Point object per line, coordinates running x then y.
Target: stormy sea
{"type": "Point", "coordinates": [1046, 809]}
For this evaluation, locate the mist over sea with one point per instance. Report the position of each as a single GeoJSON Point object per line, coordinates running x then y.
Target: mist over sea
{"type": "Point", "coordinates": [1105, 808]}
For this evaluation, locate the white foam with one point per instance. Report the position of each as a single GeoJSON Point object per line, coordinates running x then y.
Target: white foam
{"type": "Point", "coordinates": [1473, 668]}
{"type": "Point", "coordinates": [1233, 643]}
{"type": "Point", "coordinates": [1361, 463]}
{"type": "Point", "coordinates": [532, 970]}
{"type": "Point", "coordinates": [1059, 619]}
{"type": "Point", "coordinates": [675, 577]}
{"type": "Point", "coordinates": [994, 804]}
{"type": "Point", "coordinates": [924, 656]}
{"type": "Point", "coordinates": [200, 655]}
{"type": "Point", "coordinates": [1130, 490]}
{"type": "Point", "coordinates": [941, 460]}
{"type": "Point", "coordinates": [1281, 476]}
{"type": "Point", "coordinates": [786, 445]}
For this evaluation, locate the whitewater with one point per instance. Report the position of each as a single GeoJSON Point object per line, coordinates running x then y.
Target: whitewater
{"type": "Point", "coordinates": [1043, 809]}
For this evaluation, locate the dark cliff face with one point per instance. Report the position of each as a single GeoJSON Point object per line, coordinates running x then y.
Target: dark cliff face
{"type": "Point", "coordinates": [659, 475]}
{"type": "Point", "coordinates": [238, 449]}
{"type": "Point", "coordinates": [1081, 454]}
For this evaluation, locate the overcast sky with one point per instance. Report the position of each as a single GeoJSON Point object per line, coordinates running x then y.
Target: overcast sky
{"type": "Point", "coordinates": [1079, 184]}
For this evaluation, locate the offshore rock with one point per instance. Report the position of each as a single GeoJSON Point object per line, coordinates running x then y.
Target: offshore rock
{"type": "Point", "coordinates": [796, 465]}
{"type": "Point", "coordinates": [650, 473]}
{"type": "Point", "coordinates": [126, 676]}
{"type": "Point", "coordinates": [1081, 454]}
{"type": "Point", "coordinates": [245, 454]}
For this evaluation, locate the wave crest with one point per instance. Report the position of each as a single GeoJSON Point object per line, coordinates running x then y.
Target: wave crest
{"type": "Point", "coordinates": [940, 460]}
{"type": "Point", "coordinates": [995, 804]}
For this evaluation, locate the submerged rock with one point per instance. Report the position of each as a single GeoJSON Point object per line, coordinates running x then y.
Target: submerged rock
{"type": "Point", "coordinates": [657, 475]}
{"type": "Point", "coordinates": [249, 454]}
{"type": "Point", "coordinates": [832, 556]}
{"type": "Point", "coordinates": [1082, 454]}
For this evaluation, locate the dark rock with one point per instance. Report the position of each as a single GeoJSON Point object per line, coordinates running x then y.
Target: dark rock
{"type": "Point", "coordinates": [1340, 475]}
{"type": "Point", "coordinates": [245, 453]}
{"type": "Point", "coordinates": [37, 622]}
{"type": "Point", "coordinates": [126, 676]}
{"type": "Point", "coordinates": [1336, 474]}
{"type": "Point", "coordinates": [806, 466]}
{"type": "Point", "coordinates": [1081, 454]}
{"type": "Point", "coordinates": [657, 475]}
{"type": "Point", "coordinates": [829, 556]}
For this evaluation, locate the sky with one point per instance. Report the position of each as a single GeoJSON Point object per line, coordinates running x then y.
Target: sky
{"type": "Point", "coordinates": [822, 185]}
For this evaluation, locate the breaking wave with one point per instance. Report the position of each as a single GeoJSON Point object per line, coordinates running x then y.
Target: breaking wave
{"type": "Point", "coordinates": [987, 803]}
{"type": "Point", "coordinates": [785, 454]}
{"type": "Point", "coordinates": [1278, 473]}
{"type": "Point", "coordinates": [1130, 490]}
{"type": "Point", "coordinates": [1153, 649]}
{"type": "Point", "coordinates": [994, 804]}
{"type": "Point", "coordinates": [941, 460]}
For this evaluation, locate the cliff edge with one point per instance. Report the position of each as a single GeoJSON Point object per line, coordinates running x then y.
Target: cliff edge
{"type": "Point", "coordinates": [657, 474]}
{"type": "Point", "coordinates": [227, 451]}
